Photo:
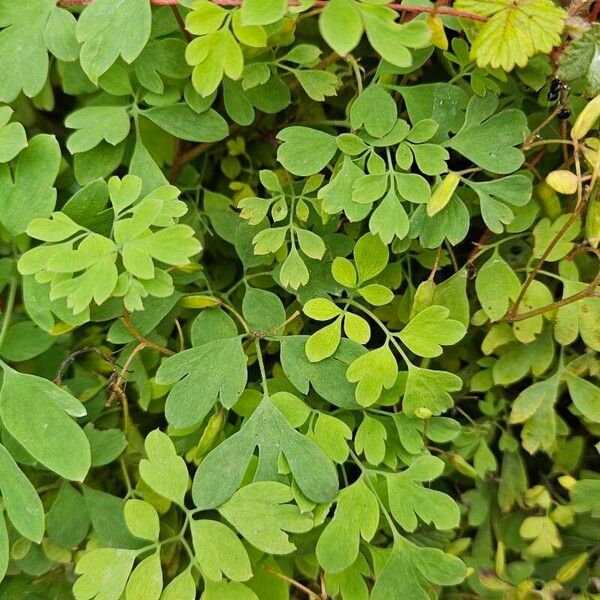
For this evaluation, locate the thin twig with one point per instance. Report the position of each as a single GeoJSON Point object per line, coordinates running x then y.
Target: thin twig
{"type": "Point", "coordinates": [582, 200]}
{"type": "Point", "coordinates": [436, 263]}
{"type": "Point", "coordinates": [116, 386]}
{"type": "Point", "coordinates": [441, 10]}
{"type": "Point", "coordinates": [126, 320]}
{"type": "Point", "coordinates": [65, 364]}
{"type": "Point", "coordinates": [293, 582]}
{"type": "Point", "coordinates": [181, 23]}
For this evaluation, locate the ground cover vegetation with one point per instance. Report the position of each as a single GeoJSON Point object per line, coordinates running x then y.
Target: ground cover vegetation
{"type": "Point", "coordinates": [299, 299]}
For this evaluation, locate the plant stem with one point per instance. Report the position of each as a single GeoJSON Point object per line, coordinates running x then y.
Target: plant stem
{"type": "Point", "coordinates": [440, 10]}
{"type": "Point", "coordinates": [10, 305]}
{"type": "Point", "coordinates": [312, 595]}
{"type": "Point", "coordinates": [261, 366]}
{"type": "Point", "coordinates": [126, 320]}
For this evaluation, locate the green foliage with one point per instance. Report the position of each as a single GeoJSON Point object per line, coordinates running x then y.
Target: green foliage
{"type": "Point", "coordinates": [299, 298]}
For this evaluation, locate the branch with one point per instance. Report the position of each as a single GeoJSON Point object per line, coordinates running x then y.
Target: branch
{"type": "Point", "coordinates": [581, 202]}
{"type": "Point", "coordinates": [440, 10]}
{"type": "Point", "coordinates": [588, 292]}
{"type": "Point", "coordinates": [126, 320]}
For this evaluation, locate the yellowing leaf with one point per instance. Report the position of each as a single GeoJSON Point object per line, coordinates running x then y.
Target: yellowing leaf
{"type": "Point", "coordinates": [515, 31]}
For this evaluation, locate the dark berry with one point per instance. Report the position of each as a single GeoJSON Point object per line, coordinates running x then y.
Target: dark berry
{"type": "Point", "coordinates": [552, 96]}
{"type": "Point", "coordinates": [555, 85]}
{"type": "Point", "coordinates": [564, 113]}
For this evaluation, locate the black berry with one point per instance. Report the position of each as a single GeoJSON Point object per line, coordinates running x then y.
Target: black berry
{"type": "Point", "coordinates": [564, 113]}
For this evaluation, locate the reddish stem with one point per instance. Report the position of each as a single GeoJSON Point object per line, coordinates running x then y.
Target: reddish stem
{"type": "Point", "coordinates": [440, 10]}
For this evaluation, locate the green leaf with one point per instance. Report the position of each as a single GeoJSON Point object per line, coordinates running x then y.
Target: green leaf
{"type": "Point", "coordinates": [488, 139]}
{"type": "Point", "coordinates": [373, 372]}
{"type": "Point", "coordinates": [269, 499]}
{"type": "Point", "coordinates": [182, 122]}
{"type": "Point", "coordinates": [431, 329]}
{"type": "Point", "coordinates": [23, 37]}
{"type": "Point", "coordinates": [228, 590]}
{"type": "Point", "coordinates": [545, 231]}
{"type": "Point", "coordinates": [389, 219]}
{"type": "Point", "coordinates": [409, 499]}
{"type": "Point", "coordinates": [106, 513]}
{"type": "Point", "coordinates": [12, 136]}
{"type": "Point", "coordinates": [4, 547]}
{"type": "Point", "coordinates": [375, 110]}
{"type": "Point", "coordinates": [544, 535]}
{"type": "Point", "coordinates": [182, 587]}
{"type": "Point", "coordinates": [263, 310]}
{"type": "Point", "coordinates": [105, 444]}
{"type": "Point", "coordinates": [109, 29]}
{"type": "Point", "coordinates": [370, 439]}
{"type": "Point", "coordinates": [331, 435]}
{"type": "Point", "coordinates": [219, 551]}
{"type": "Point", "coordinates": [337, 194]}
{"type": "Point", "coordinates": [294, 273]}
{"type": "Point", "coordinates": [496, 194]}
{"type": "Point", "coordinates": [579, 60]}
{"type": "Point", "coordinates": [142, 519]}
{"type": "Point", "coordinates": [370, 256]}
{"type": "Point", "coordinates": [356, 516]}
{"type": "Point", "coordinates": [515, 31]}
{"type": "Point", "coordinates": [324, 343]}
{"type": "Point", "coordinates": [534, 406]}
{"type": "Point", "coordinates": [103, 573]}
{"type": "Point", "coordinates": [430, 390]}
{"type": "Point", "coordinates": [321, 309]}
{"type": "Point", "coordinates": [585, 495]}
{"type": "Point", "coordinates": [578, 318]}
{"type": "Point", "coordinates": [164, 471]}
{"type": "Point", "coordinates": [146, 581]}
{"type": "Point", "coordinates": [33, 412]}
{"type": "Point", "coordinates": [68, 521]}
{"type": "Point", "coordinates": [31, 195]}
{"type": "Point", "coordinates": [262, 12]}
{"type": "Point", "coordinates": [341, 26]}
{"type": "Point", "coordinates": [94, 124]}
{"type": "Point", "coordinates": [25, 340]}
{"type": "Point", "coordinates": [496, 285]}
{"type": "Point", "coordinates": [410, 569]}
{"type": "Point", "coordinates": [214, 371]}
{"type": "Point", "coordinates": [222, 471]}
{"type": "Point", "coordinates": [328, 377]}
{"type": "Point", "coordinates": [537, 295]}
{"type": "Point", "coordinates": [305, 151]}
{"type": "Point", "coordinates": [21, 501]}
{"type": "Point", "coordinates": [357, 328]}
{"type": "Point", "coordinates": [585, 396]}
{"type": "Point", "coordinates": [390, 39]}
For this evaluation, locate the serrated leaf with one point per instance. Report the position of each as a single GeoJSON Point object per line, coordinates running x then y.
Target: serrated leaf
{"type": "Point", "coordinates": [515, 31]}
